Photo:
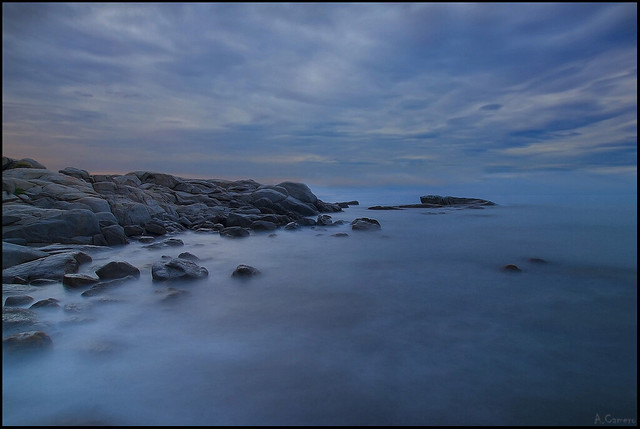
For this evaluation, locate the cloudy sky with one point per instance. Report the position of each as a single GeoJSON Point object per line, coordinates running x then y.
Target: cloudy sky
{"type": "Point", "coordinates": [324, 93]}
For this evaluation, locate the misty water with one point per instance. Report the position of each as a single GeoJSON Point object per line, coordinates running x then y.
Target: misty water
{"type": "Point", "coordinates": [415, 324]}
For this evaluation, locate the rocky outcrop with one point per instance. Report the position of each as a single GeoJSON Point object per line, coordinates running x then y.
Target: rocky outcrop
{"type": "Point", "coordinates": [75, 207]}
{"type": "Point", "coordinates": [437, 201]}
{"type": "Point", "coordinates": [51, 267]}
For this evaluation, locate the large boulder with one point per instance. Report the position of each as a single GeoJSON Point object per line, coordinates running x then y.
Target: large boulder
{"type": "Point", "coordinates": [39, 225]}
{"type": "Point", "coordinates": [299, 191]}
{"type": "Point", "coordinates": [14, 254]}
{"type": "Point", "coordinates": [52, 267]}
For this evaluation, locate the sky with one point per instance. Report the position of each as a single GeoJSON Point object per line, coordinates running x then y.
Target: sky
{"type": "Point", "coordinates": [331, 94]}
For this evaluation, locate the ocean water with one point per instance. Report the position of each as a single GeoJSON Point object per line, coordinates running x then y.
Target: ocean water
{"type": "Point", "coordinates": [415, 324]}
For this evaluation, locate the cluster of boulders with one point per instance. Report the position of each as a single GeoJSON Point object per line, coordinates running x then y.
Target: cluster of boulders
{"type": "Point", "coordinates": [51, 222]}
{"type": "Point", "coordinates": [75, 207]}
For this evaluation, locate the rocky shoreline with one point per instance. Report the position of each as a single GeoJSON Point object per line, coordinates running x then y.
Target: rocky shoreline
{"type": "Point", "coordinates": [51, 222]}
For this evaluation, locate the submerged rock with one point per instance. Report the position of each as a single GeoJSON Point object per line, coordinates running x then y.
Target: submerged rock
{"type": "Point", "coordinates": [27, 341]}
{"type": "Point", "coordinates": [245, 271]}
{"type": "Point", "coordinates": [511, 268]}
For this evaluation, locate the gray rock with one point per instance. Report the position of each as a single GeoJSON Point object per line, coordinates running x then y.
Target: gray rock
{"type": "Point", "coordinates": [46, 303]}
{"type": "Point", "coordinates": [155, 228]}
{"type": "Point", "coordinates": [263, 225]}
{"type": "Point", "coordinates": [234, 232]}
{"type": "Point", "coordinates": [117, 270]}
{"type": "Point", "coordinates": [13, 254]}
{"type": "Point", "coordinates": [52, 267]}
{"type": "Point", "coordinates": [77, 173]}
{"type": "Point", "coordinates": [17, 300]}
{"type": "Point", "coordinates": [299, 191]}
{"type": "Point", "coordinates": [24, 341]}
{"type": "Point", "coordinates": [365, 224]}
{"type": "Point", "coordinates": [177, 268]}
{"type": "Point", "coordinates": [54, 226]}
{"type": "Point", "coordinates": [245, 271]}
{"type": "Point", "coordinates": [104, 286]}
{"type": "Point", "coordinates": [74, 281]}
{"type": "Point", "coordinates": [114, 235]}
{"type": "Point", "coordinates": [324, 220]}
{"type": "Point", "coordinates": [188, 256]}
{"type": "Point", "coordinates": [18, 317]}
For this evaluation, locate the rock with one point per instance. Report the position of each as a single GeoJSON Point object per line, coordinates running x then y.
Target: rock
{"type": "Point", "coordinates": [14, 254]}
{"type": "Point", "coordinates": [107, 285]}
{"type": "Point", "coordinates": [43, 282]}
{"type": "Point", "coordinates": [299, 191]}
{"type": "Point", "coordinates": [52, 267]}
{"type": "Point", "coordinates": [170, 293]}
{"type": "Point", "coordinates": [54, 226]}
{"type": "Point", "coordinates": [324, 220]}
{"type": "Point", "coordinates": [133, 230]}
{"type": "Point", "coordinates": [511, 268]}
{"type": "Point", "coordinates": [155, 228]}
{"type": "Point", "coordinates": [365, 224]}
{"type": "Point", "coordinates": [234, 232]}
{"type": "Point", "coordinates": [263, 225]}
{"type": "Point", "coordinates": [114, 235]}
{"type": "Point", "coordinates": [245, 271]}
{"type": "Point", "coordinates": [340, 234]}
{"type": "Point", "coordinates": [453, 201]}
{"type": "Point", "coordinates": [537, 261]}
{"type": "Point", "coordinates": [177, 268]}
{"type": "Point", "coordinates": [17, 300]}
{"type": "Point", "coordinates": [74, 281]}
{"type": "Point", "coordinates": [292, 226]}
{"type": "Point", "coordinates": [117, 270]}
{"type": "Point", "coordinates": [46, 303]}
{"type": "Point", "coordinates": [169, 242]}
{"type": "Point", "coordinates": [29, 340]}
{"type": "Point", "coordinates": [77, 173]}
{"type": "Point", "coordinates": [188, 256]}
{"type": "Point", "coordinates": [17, 317]}
{"type": "Point", "coordinates": [9, 163]}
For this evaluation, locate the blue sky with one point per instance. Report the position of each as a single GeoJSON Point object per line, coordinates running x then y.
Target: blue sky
{"type": "Point", "coordinates": [342, 94]}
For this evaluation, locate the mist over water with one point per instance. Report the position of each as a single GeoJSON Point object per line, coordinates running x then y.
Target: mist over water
{"type": "Point", "coordinates": [415, 324]}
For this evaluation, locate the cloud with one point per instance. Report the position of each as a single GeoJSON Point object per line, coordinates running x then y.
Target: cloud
{"type": "Point", "coordinates": [416, 92]}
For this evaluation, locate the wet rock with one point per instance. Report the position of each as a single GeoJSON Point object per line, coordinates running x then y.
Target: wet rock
{"type": "Point", "coordinates": [155, 228]}
{"type": "Point", "coordinates": [170, 293]}
{"type": "Point", "coordinates": [176, 269]}
{"type": "Point", "coordinates": [14, 254]}
{"type": "Point", "coordinates": [107, 285]}
{"type": "Point", "coordinates": [42, 282]}
{"type": "Point", "coordinates": [18, 317]}
{"type": "Point", "coordinates": [340, 234]}
{"type": "Point", "coordinates": [74, 281]}
{"type": "Point", "coordinates": [17, 300]}
{"type": "Point", "coordinates": [511, 268]}
{"type": "Point", "coordinates": [169, 242]}
{"type": "Point", "coordinates": [292, 226]}
{"type": "Point", "coordinates": [324, 220]}
{"type": "Point", "coordinates": [188, 256]}
{"type": "Point", "coordinates": [365, 224]}
{"type": "Point", "coordinates": [263, 225]}
{"type": "Point", "coordinates": [27, 341]}
{"type": "Point", "coordinates": [234, 232]}
{"type": "Point", "coordinates": [245, 271]}
{"type": "Point", "coordinates": [46, 303]}
{"type": "Point", "coordinates": [52, 267]}
{"type": "Point", "coordinates": [117, 269]}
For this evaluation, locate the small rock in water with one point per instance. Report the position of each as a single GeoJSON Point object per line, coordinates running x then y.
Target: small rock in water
{"type": "Point", "coordinates": [27, 341]}
{"type": "Point", "coordinates": [537, 260]}
{"type": "Point", "coordinates": [340, 234]}
{"type": "Point", "coordinates": [365, 224]}
{"type": "Point", "coordinates": [16, 300]}
{"type": "Point", "coordinates": [46, 303]}
{"type": "Point", "coordinates": [511, 268]}
{"type": "Point", "coordinates": [245, 271]}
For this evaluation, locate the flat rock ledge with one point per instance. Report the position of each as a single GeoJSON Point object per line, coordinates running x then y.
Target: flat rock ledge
{"type": "Point", "coordinates": [437, 201]}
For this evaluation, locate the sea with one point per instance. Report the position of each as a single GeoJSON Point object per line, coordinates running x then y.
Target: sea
{"type": "Point", "coordinates": [414, 324]}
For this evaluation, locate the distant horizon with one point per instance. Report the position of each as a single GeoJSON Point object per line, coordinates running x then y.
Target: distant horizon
{"type": "Point", "coordinates": [384, 94]}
